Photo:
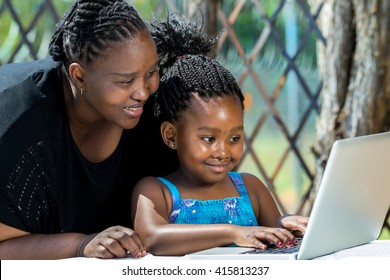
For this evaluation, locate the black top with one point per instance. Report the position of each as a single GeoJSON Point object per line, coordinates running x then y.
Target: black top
{"type": "Point", "coordinates": [46, 184]}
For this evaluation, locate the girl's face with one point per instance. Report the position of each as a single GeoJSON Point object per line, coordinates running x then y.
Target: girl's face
{"type": "Point", "coordinates": [117, 85]}
{"type": "Point", "coordinates": [210, 138]}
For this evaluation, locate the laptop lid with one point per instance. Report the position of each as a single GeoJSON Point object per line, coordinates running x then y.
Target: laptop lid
{"type": "Point", "coordinates": [353, 197]}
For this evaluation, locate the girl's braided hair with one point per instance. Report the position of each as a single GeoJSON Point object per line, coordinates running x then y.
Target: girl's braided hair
{"type": "Point", "coordinates": [89, 26]}
{"type": "Point", "coordinates": [187, 67]}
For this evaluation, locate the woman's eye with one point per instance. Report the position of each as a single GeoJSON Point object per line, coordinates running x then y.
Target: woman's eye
{"type": "Point", "coordinates": [151, 73]}
{"type": "Point", "coordinates": [235, 139]}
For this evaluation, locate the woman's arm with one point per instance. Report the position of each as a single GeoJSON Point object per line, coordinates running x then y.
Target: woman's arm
{"type": "Point", "coordinates": [150, 212]}
{"type": "Point", "coordinates": [113, 242]}
{"type": "Point", "coordinates": [18, 244]}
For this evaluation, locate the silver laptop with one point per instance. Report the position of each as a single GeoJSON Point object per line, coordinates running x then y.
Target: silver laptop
{"type": "Point", "coordinates": [350, 206]}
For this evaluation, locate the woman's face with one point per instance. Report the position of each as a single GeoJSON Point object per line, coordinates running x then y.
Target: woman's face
{"type": "Point", "coordinates": [117, 85]}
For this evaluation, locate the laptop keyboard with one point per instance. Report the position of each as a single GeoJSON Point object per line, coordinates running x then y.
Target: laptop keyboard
{"type": "Point", "coordinates": [276, 250]}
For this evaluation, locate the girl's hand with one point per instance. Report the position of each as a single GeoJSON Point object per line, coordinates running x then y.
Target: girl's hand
{"type": "Point", "coordinates": [259, 237]}
{"type": "Point", "coordinates": [294, 223]}
{"type": "Point", "coordinates": [114, 242]}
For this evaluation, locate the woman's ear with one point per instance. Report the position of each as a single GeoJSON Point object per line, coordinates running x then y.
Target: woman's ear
{"type": "Point", "coordinates": [168, 133]}
{"type": "Point", "coordinates": [76, 73]}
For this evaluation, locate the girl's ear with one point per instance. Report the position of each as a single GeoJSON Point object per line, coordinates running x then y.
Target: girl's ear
{"type": "Point", "coordinates": [168, 133]}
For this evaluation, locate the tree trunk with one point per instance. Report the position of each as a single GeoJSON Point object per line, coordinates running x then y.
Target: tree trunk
{"type": "Point", "coordinates": [355, 70]}
{"type": "Point", "coordinates": [334, 64]}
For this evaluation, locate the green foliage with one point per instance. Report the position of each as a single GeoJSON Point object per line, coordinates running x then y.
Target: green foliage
{"type": "Point", "coordinates": [252, 21]}
{"type": "Point", "coordinates": [145, 7]}
{"type": "Point", "coordinates": [385, 234]}
{"type": "Point", "coordinates": [39, 29]}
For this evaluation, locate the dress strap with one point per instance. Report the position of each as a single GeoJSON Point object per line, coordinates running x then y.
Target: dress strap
{"type": "Point", "coordinates": [240, 186]}
{"type": "Point", "coordinates": [239, 183]}
{"type": "Point", "coordinates": [175, 196]}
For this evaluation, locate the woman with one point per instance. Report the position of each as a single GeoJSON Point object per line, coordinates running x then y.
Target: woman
{"type": "Point", "coordinates": [69, 147]}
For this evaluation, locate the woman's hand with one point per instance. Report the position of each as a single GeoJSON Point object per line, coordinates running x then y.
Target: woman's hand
{"type": "Point", "coordinates": [114, 242]}
{"type": "Point", "coordinates": [294, 223]}
{"type": "Point", "coordinates": [259, 237]}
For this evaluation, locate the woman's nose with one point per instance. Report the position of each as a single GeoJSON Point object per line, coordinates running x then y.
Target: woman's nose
{"type": "Point", "coordinates": [142, 93]}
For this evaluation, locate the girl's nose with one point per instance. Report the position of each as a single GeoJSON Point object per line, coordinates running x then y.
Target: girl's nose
{"type": "Point", "coordinates": [221, 152]}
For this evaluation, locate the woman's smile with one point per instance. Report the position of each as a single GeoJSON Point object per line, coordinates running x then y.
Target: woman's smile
{"type": "Point", "coordinates": [133, 111]}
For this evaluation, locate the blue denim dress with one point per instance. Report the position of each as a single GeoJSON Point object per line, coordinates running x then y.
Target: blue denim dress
{"type": "Point", "coordinates": [231, 210]}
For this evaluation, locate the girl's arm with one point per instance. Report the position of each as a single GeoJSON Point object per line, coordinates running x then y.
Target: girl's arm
{"type": "Point", "coordinates": [263, 203]}
{"type": "Point", "coordinates": [113, 242]}
{"type": "Point", "coordinates": [266, 209]}
{"type": "Point", "coordinates": [150, 212]}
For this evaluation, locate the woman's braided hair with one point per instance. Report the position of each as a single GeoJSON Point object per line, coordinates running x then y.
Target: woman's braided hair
{"type": "Point", "coordinates": [90, 26]}
{"type": "Point", "coordinates": [187, 67]}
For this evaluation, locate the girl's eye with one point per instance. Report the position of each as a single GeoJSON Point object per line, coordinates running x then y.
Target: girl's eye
{"type": "Point", "coordinates": [235, 139]}
{"type": "Point", "coordinates": [208, 139]}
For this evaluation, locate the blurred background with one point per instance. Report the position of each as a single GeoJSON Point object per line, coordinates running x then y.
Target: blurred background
{"type": "Point", "coordinates": [269, 45]}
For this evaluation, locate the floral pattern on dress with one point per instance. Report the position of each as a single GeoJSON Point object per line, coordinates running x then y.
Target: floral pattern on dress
{"type": "Point", "coordinates": [230, 205]}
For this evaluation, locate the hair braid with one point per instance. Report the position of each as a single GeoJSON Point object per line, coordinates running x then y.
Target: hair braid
{"type": "Point", "coordinates": [89, 27]}
{"type": "Point", "coordinates": [187, 68]}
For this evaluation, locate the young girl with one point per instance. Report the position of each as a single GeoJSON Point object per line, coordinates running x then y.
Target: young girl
{"type": "Point", "coordinates": [203, 204]}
